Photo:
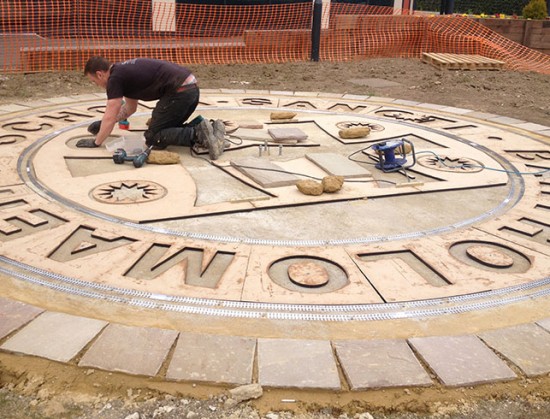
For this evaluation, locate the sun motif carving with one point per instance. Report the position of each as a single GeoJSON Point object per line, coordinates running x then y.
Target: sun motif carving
{"type": "Point", "coordinates": [450, 164]}
{"type": "Point", "coordinates": [359, 124]}
{"type": "Point", "coordinates": [128, 192]}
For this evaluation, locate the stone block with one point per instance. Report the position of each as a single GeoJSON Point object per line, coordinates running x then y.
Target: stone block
{"type": "Point", "coordinates": [461, 360]}
{"type": "Point", "coordinates": [338, 165]}
{"type": "Point", "coordinates": [14, 314]}
{"type": "Point", "coordinates": [130, 349]}
{"type": "Point", "coordinates": [214, 359]}
{"type": "Point", "coordinates": [545, 323]}
{"type": "Point", "coordinates": [254, 168]}
{"type": "Point", "coordinates": [56, 336]}
{"type": "Point", "coordinates": [297, 363]}
{"type": "Point", "coordinates": [380, 363]}
{"type": "Point", "coordinates": [526, 345]}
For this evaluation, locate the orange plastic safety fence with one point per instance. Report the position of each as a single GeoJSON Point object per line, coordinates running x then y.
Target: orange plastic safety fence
{"type": "Point", "coordinates": [49, 35]}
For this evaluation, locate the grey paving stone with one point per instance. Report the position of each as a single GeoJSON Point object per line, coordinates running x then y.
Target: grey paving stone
{"type": "Point", "coordinates": [56, 336]}
{"type": "Point", "coordinates": [431, 106]}
{"type": "Point", "coordinates": [506, 120]}
{"type": "Point", "coordinates": [405, 102]}
{"type": "Point", "coordinates": [338, 165]}
{"type": "Point", "coordinates": [461, 360]}
{"type": "Point", "coordinates": [297, 363]}
{"type": "Point", "coordinates": [281, 93]}
{"type": "Point", "coordinates": [214, 359]}
{"type": "Point", "coordinates": [130, 349]}
{"type": "Point", "coordinates": [379, 99]}
{"type": "Point", "coordinates": [13, 108]}
{"type": "Point", "coordinates": [14, 314]}
{"type": "Point", "coordinates": [526, 345]}
{"type": "Point", "coordinates": [355, 97]}
{"type": "Point", "coordinates": [544, 323]}
{"type": "Point", "coordinates": [255, 167]}
{"type": "Point", "coordinates": [380, 363]}
{"type": "Point", "coordinates": [459, 111]}
{"type": "Point", "coordinates": [532, 127]}
{"type": "Point", "coordinates": [482, 115]}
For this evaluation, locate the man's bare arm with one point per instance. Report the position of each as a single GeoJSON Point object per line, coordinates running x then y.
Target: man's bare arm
{"type": "Point", "coordinates": [127, 109]}
{"type": "Point", "coordinates": [110, 118]}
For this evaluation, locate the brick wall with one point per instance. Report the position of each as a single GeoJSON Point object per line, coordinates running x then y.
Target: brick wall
{"type": "Point", "coordinates": [531, 33]}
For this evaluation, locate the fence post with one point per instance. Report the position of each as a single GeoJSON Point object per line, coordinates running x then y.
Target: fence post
{"type": "Point", "coordinates": [447, 7]}
{"type": "Point", "coordinates": [316, 29]}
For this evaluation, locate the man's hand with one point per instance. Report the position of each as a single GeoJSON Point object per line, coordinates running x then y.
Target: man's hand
{"type": "Point", "coordinates": [94, 127]}
{"type": "Point", "coordinates": [87, 143]}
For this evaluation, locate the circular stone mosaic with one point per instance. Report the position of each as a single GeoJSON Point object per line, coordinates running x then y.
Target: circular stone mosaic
{"type": "Point", "coordinates": [464, 217]}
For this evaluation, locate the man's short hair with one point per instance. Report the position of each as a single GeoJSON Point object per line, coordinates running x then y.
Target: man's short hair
{"type": "Point", "coordinates": [96, 63]}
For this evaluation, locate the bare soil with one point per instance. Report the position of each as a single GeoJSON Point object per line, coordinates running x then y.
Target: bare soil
{"type": "Point", "coordinates": [37, 388]}
{"type": "Point", "coordinates": [520, 95]}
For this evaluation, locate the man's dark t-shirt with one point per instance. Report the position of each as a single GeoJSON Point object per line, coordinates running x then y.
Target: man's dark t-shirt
{"type": "Point", "coordinates": [145, 79]}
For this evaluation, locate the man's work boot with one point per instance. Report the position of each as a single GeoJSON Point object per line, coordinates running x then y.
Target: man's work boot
{"type": "Point", "coordinates": [219, 132]}
{"type": "Point", "coordinates": [195, 121]}
{"type": "Point", "coordinates": [205, 138]}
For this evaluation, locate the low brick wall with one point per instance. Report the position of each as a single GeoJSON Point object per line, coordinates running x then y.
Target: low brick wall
{"type": "Point", "coordinates": [534, 34]}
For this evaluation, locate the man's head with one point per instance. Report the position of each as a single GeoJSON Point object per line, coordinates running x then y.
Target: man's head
{"type": "Point", "coordinates": [97, 70]}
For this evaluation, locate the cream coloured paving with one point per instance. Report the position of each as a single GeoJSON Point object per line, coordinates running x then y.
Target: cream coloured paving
{"type": "Point", "coordinates": [454, 249]}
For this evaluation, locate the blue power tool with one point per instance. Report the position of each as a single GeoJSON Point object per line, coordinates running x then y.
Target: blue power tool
{"type": "Point", "coordinates": [120, 156]}
{"type": "Point", "coordinates": [387, 160]}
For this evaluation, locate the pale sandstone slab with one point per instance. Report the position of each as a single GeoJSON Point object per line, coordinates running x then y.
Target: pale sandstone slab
{"type": "Point", "coordinates": [297, 363]}
{"type": "Point", "coordinates": [526, 345]}
{"type": "Point", "coordinates": [214, 359]}
{"type": "Point", "coordinates": [545, 323]}
{"type": "Point", "coordinates": [338, 165]}
{"type": "Point", "coordinates": [533, 127]}
{"type": "Point", "coordinates": [14, 314]}
{"type": "Point", "coordinates": [252, 134]}
{"type": "Point", "coordinates": [507, 120]}
{"type": "Point", "coordinates": [14, 108]}
{"type": "Point", "coordinates": [56, 336]}
{"type": "Point", "coordinates": [459, 111]}
{"type": "Point", "coordinates": [287, 134]}
{"type": "Point", "coordinates": [263, 172]}
{"type": "Point", "coordinates": [461, 360]}
{"type": "Point", "coordinates": [380, 363]}
{"type": "Point", "coordinates": [134, 350]}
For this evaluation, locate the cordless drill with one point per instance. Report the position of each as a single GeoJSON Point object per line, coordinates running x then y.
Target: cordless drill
{"type": "Point", "coordinates": [120, 156]}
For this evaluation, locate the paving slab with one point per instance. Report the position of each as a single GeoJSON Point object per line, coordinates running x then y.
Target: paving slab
{"type": "Point", "coordinates": [56, 336]}
{"type": "Point", "coordinates": [13, 108]}
{"type": "Point", "coordinates": [263, 172]}
{"type": "Point", "coordinates": [130, 349]}
{"type": "Point", "coordinates": [545, 323]}
{"type": "Point", "coordinates": [529, 126]}
{"type": "Point", "coordinates": [338, 165]}
{"type": "Point", "coordinates": [14, 314]}
{"type": "Point", "coordinates": [380, 363]}
{"type": "Point", "coordinates": [507, 120]}
{"type": "Point", "coordinates": [526, 345]}
{"type": "Point", "coordinates": [214, 359]}
{"type": "Point", "coordinates": [461, 360]}
{"type": "Point", "coordinates": [252, 134]}
{"type": "Point", "coordinates": [297, 363]}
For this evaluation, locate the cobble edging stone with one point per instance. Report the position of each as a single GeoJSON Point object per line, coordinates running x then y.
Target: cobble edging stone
{"type": "Point", "coordinates": [453, 361]}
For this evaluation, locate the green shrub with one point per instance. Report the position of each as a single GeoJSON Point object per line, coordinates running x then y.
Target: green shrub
{"type": "Point", "coordinates": [476, 7]}
{"type": "Point", "coordinates": [535, 9]}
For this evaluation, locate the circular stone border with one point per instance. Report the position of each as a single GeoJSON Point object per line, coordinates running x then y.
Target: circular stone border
{"type": "Point", "coordinates": [339, 312]}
